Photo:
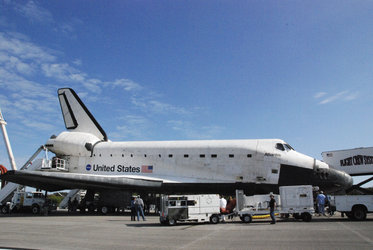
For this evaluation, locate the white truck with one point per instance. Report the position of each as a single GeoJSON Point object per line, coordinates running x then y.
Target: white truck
{"type": "Point", "coordinates": [356, 162]}
{"type": "Point", "coordinates": [355, 207]}
{"type": "Point", "coordinates": [28, 201]}
{"type": "Point", "coordinates": [295, 200]}
{"type": "Point", "coordinates": [198, 208]}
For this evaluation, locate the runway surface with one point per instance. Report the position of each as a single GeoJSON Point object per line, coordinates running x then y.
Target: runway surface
{"type": "Point", "coordinates": [60, 231]}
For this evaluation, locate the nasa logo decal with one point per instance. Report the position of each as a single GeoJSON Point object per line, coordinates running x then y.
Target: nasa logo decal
{"type": "Point", "coordinates": [88, 167]}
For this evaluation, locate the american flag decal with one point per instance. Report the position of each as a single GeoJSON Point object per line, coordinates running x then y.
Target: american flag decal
{"type": "Point", "coordinates": [146, 169]}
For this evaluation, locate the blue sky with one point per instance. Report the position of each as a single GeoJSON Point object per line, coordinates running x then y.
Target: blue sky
{"type": "Point", "coordinates": [301, 71]}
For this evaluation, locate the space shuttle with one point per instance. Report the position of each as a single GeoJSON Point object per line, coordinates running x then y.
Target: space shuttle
{"type": "Point", "coordinates": [86, 159]}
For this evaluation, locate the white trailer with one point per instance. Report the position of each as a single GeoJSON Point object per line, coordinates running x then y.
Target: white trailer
{"type": "Point", "coordinates": [198, 208]}
{"type": "Point", "coordinates": [355, 207]}
{"type": "Point", "coordinates": [295, 200]}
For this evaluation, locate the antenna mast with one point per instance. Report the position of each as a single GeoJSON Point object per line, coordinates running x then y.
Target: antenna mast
{"type": "Point", "coordinates": [7, 143]}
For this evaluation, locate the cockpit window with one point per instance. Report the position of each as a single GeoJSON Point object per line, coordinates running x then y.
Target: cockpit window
{"type": "Point", "coordinates": [280, 146]}
{"type": "Point", "coordinates": [287, 146]}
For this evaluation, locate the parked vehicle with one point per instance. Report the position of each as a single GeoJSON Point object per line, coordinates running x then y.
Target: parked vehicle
{"type": "Point", "coordinates": [104, 202]}
{"type": "Point", "coordinates": [197, 208]}
{"type": "Point", "coordinates": [28, 201]}
{"type": "Point", "coordinates": [355, 207]}
{"type": "Point", "coordinates": [295, 200]}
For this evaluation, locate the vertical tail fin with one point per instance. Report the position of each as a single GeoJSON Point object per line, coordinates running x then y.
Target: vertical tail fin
{"type": "Point", "coordinates": [76, 115]}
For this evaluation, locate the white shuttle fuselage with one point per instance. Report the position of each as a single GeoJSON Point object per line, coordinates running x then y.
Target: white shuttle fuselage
{"type": "Point", "coordinates": [209, 166]}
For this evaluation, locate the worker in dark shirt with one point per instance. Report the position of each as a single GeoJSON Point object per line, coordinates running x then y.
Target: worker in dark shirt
{"type": "Point", "coordinates": [272, 206]}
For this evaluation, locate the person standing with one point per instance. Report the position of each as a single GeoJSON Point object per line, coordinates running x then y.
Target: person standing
{"type": "Point", "coordinates": [133, 210]}
{"type": "Point", "coordinates": [223, 205]}
{"type": "Point", "coordinates": [320, 200]}
{"type": "Point", "coordinates": [69, 205]}
{"type": "Point", "coordinates": [230, 206]}
{"type": "Point", "coordinates": [272, 206]}
{"type": "Point", "coordinates": [139, 206]}
{"type": "Point", "coordinates": [75, 204]}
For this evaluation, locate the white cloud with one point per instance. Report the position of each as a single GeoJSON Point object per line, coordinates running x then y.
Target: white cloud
{"type": "Point", "coordinates": [4, 102]}
{"type": "Point", "coordinates": [134, 127]}
{"type": "Point", "coordinates": [126, 84]}
{"type": "Point", "coordinates": [161, 107]}
{"type": "Point", "coordinates": [18, 84]}
{"type": "Point", "coordinates": [34, 12]}
{"type": "Point", "coordinates": [136, 120]}
{"type": "Point", "coordinates": [15, 64]}
{"type": "Point", "coordinates": [333, 98]}
{"type": "Point", "coordinates": [92, 85]}
{"type": "Point", "coordinates": [20, 59]}
{"type": "Point", "coordinates": [24, 50]}
{"type": "Point", "coordinates": [340, 96]}
{"type": "Point", "coordinates": [19, 56]}
{"type": "Point", "coordinates": [61, 71]}
{"type": "Point", "coordinates": [77, 62]}
{"type": "Point", "coordinates": [157, 107]}
{"type": "Point", "coordinates": [23, 64]}
{"type": "Point", "coordinates": [38, 125]}
{"type": "Point", "coordinates": [188, 129]}
{"type": "Point", "coordinates": [38, 15]}
{"type": "Point", "coordinates": [68, 27]}
{"type": "Point", "coordinates": [319, 95]}
{"type": "Point", "coordinates": [352, 96]}
{"type": "Point", "coordinates": [27, 99]}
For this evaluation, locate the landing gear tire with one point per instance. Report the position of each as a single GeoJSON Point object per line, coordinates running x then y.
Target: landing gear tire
{"type": "Point", "coordinates": [104, 210]}
{"type": "Point", "coordinates": [247, 218]}
{"type": "Point", "coordinates": [4, 209]}
{"type": "Point", "coordinates": [214, 219]}
{"type": "Point", "coordinates": [35, 209]}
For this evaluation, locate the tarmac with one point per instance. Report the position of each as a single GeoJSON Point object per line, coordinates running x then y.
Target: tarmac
{"type": "Point", "coordinates": [75, 231]}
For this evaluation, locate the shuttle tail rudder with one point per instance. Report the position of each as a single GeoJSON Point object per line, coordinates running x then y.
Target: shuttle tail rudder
{"type": "Point", "coordinates": [76, 115]}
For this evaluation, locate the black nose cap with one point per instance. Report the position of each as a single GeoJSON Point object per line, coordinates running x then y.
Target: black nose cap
{"type": "Point", "coordinates": [331, 180]}
{"type": "Point", "coordinates": [342, 179]}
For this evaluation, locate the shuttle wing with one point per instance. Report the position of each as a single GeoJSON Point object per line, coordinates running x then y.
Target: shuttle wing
{"type": "Point", "coordinates": [53, 181]}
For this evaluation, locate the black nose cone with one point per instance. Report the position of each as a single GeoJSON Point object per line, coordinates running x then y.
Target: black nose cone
{"type": "Point", "coordinates": [331, 180]}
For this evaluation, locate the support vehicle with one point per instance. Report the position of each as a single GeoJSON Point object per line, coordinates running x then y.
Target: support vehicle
{"type": "Point", "coordinates": [355, 162]}
{"type": "Point", "coordinates": [197, 208]}
{"type": "Point", "coordinates": [355, 207]}
{"type": "Point", "coordinates": [28, 201]}
{"type": "Point", "coordinates": [295, 200]}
